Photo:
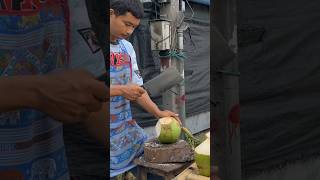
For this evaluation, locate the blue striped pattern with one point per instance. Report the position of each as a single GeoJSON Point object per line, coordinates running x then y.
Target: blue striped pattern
{"type": "Point", "coordinates": [126, 137]}
{"type": "Point", "coordinates": [31, 143]}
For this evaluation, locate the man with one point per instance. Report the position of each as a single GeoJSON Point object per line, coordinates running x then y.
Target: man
{"type": "Point", "coordinates": [126, 136]}
{"type": "Point", "coordinates": [37, 91]}
{"type": "Point", "coordinates": [86, 155]}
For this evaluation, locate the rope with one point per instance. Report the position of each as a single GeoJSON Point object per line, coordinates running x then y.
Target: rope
{"type": "Point", "coordinates": [172, 53]}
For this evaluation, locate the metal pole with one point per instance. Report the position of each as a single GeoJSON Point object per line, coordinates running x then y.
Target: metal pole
{"type": "Point", "coordinates": [226, 109]}
{"type": "Point", "coordinates": [182, 97]}
{"type": "Point", "coordinates": [174, 99]}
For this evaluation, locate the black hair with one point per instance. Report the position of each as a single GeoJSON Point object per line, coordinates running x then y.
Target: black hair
{"type": "Point", "coordinates": [121, 7]}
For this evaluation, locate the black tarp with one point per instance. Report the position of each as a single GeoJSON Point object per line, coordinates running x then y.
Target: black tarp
{"type": "Point", "coordinates": [279, 56]}
{"type": "Point", "coordinates": [197, 63]}
{"type": "Point", "coordinates": [225, 91]}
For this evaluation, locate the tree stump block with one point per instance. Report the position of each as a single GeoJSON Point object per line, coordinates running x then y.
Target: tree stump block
{"type": "Point", "coordinates": [168, 171]}
{"type": "Point", "coordinates": [178, 152]}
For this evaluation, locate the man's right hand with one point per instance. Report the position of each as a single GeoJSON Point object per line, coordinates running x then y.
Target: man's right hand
{"type": "Point", "coordinates": [132, 91]}
{"type": "Point", "coordinates": [70, 96]}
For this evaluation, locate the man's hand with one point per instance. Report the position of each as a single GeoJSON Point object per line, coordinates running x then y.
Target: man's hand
{"type": "Point", "coordinates": [167, 113]}
{"type": "Point", "coordinates": [132, 91]}
{"type": "Point", "coordinates": [70, 96]}
{"type": "Point", "coordinates": [152, 108]}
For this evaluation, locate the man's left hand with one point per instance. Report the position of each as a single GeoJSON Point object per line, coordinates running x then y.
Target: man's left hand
{"type": "Point", "coordinates": [167, 113]}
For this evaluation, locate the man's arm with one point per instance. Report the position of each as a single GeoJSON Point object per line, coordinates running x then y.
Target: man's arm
{"type": "Point", "coordinates": [129, 91]}
{"type": "Point", "coordinates": [67, 96]}
{"type": "Point", "coordinates": [18, 92]}
{"type": "Point", "coordinates": [116, 90]}
{"type": "Point", "coordinates": [146, 103]}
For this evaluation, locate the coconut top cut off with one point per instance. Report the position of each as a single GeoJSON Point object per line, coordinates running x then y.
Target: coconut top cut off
{"type": "Point", "coordinates": [162, 121]}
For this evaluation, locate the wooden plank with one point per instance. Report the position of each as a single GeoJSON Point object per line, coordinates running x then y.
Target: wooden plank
{"type": "Point", "coordinates": [165, 168]}
{"type": "Point", "coordinates": [168, 171]}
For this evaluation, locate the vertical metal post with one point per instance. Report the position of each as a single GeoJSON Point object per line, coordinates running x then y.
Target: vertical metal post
{"type": "Point", "coordinates": [226, 109]}
{"type": "Point", "coordinates": [174, 99]}
{"type": "Point", "coordinates": [182, 94]}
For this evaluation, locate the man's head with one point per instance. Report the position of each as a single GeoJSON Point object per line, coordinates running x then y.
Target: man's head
{"type": "Point", "coordinates": [125, 16]}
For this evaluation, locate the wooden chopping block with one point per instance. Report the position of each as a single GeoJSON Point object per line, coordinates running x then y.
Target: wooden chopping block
{"type": "Point", "coordinates": [156, 152]}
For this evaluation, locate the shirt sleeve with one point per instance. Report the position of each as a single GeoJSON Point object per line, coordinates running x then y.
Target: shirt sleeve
{"type": "Point", "coordinates": [85, 51]}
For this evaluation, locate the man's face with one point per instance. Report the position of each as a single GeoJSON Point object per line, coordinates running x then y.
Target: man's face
{"type": "Point", "coordinates": [121, 27]}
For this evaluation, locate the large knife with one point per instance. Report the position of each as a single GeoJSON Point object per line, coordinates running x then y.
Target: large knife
{"type": "Point", "coordinates": [163, 82]}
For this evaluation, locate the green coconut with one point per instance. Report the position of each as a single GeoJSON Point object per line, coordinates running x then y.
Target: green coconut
{"type": "Point", "coordinates": [202, 157]}
{"type": "Point", "coordinates": [168, 130]}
